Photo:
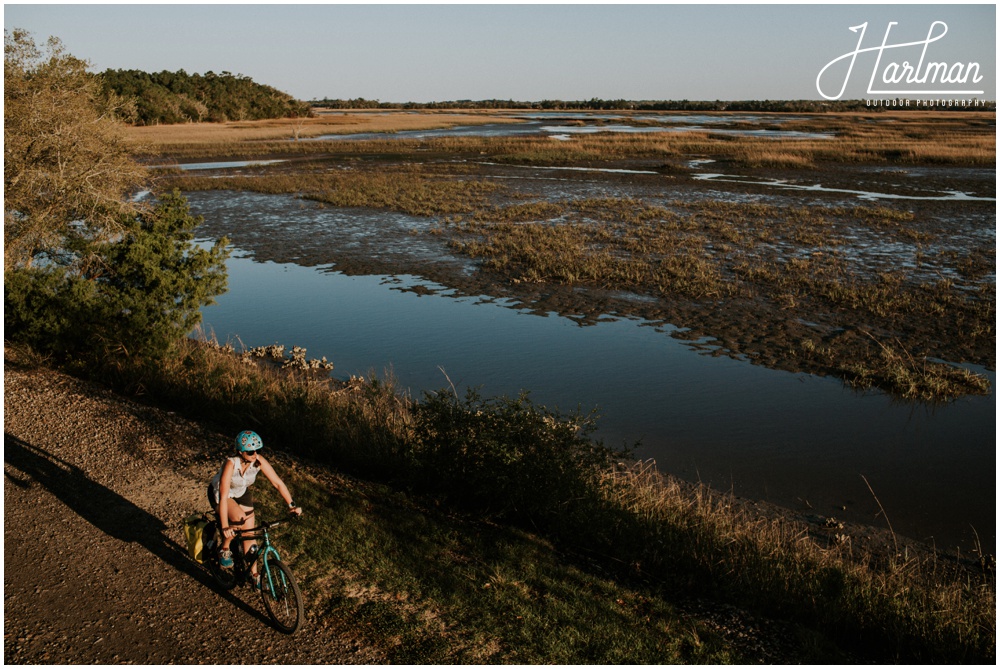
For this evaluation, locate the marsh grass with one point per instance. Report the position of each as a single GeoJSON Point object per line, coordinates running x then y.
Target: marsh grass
{"type": "Point", "coordinates": [165, 138]}
{"type": "Point", "coordinates": [788, 257]}
{"type": "Point", "coordinates": [930, 138]}
{"type": "Point", "coordinates": [934, 138]}
{"type": "Point", "coordinates": [408, 189]}
{"type": "Point", "coordinates": [775, 562]}
{"type": "Point", "coordinates": [590, 578]}
{"type": "Point", "coordinates": [916, 378]}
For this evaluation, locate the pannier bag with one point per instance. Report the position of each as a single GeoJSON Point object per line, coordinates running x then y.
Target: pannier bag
{"type": "Point", "coordinates": [194, 532]}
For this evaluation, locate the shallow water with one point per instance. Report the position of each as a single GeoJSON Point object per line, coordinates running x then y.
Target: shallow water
{"type": "Point", "coordinates": [795, 439]}
{"type": "Point", "coordinates": [563, 168]}
{"type": "Point", "coordinates": [948, 195]}
{"type": "Point", "coordinates": [220, 165]}
{"type": "Point", "coordinates": [562, 132]}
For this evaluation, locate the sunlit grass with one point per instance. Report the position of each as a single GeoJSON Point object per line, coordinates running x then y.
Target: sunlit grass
{"type": "Point", "coordinates": [412, 190]}
{"type": "Point", "coordinates": [161, 138]}
{"type": "Point", "coordinates": [916, 137]}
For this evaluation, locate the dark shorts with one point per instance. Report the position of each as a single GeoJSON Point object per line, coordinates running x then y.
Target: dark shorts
{"type": "Point", "coordinates": [246, 499]}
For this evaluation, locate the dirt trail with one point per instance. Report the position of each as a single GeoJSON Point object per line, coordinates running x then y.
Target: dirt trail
{"type": "Point", "coordinates": [95, 569]}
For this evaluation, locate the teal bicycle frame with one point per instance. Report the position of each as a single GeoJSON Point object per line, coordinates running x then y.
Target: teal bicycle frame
{"type": "Point", "coordinates": [278, 588]}
{"type": "Point", "coordinates": [265, 549]}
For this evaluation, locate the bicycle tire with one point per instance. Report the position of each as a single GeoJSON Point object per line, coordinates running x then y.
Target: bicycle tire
{"type": "Point", "coordinates": [284, 603]}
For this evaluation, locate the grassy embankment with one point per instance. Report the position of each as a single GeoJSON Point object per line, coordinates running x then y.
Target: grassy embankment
{"type": "Point", "coordinates": [604, 552]}
{"type": "Point", "coordinates": [790, 261]}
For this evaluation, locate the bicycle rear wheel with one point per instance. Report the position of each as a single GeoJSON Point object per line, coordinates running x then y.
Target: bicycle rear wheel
{"type": "Point", "coordinates": [281, 596]}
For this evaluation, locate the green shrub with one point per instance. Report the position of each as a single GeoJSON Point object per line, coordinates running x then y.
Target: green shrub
{"type": "Point", "coordinates": [505, 457]}
{"type": "Point", "coordinates": [136, 296]}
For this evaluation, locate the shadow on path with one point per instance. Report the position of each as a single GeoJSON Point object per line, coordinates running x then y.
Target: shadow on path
{"type": "Point", "coordinates": [105, 509]}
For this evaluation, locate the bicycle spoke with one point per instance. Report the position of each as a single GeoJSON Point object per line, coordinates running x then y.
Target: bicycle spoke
{"type": "Point", "coordinates": [281, 596]}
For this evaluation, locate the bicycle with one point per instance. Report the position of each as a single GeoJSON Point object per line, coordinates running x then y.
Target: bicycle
{"type": "Point", "coordinates": [281, 594]}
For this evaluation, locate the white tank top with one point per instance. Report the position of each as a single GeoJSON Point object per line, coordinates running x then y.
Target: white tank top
{"type": "Point", "coordinates": [240, 481]}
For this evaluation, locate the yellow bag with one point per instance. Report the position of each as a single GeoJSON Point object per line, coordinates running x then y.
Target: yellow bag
{"type": "Point", "coordinates": [194, 532]}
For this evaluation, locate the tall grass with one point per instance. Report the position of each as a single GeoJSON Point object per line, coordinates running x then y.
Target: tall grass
{"type": "Point", "coordinates": [916, 605]}
{"type": "Point", "coordinates": [355, 424]}
{"type": "Point", "coordinates": [418, 583]}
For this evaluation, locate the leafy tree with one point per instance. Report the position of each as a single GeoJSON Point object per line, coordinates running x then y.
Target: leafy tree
{"type": "Point", "coordinates": [179, 97]}
{"type": "Point", "coordinates": [88, 271]}
{"type": "Point", "coordinates": [140, 295]}
{"type": "Point", "coordinates": [66, 162]}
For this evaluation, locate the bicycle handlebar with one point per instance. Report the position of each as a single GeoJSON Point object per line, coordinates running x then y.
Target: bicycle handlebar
{"type": "Point", "coordinates": [264, 526]}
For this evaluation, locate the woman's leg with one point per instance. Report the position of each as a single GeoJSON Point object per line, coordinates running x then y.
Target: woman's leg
{"type": "Point", "coordinates": [236, 517]}
{"type": "Point", "coordinates": [249, 525]}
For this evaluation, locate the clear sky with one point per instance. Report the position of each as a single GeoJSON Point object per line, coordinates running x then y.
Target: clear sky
{"type": "Point", "coordinates": [423, 53]}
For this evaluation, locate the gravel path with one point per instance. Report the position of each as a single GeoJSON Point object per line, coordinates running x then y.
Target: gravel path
{"type": "Point", "coordinates": [95, 569]}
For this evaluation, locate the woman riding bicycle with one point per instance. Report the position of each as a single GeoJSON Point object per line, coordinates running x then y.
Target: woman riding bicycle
{"type": "Point", "coordinates": [229, 492]}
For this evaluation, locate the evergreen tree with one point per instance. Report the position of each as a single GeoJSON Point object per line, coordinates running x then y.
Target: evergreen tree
{"type": "Point", "coordinates": [138, 295]}
{"type": "Point", "coordinates": [179, 97]}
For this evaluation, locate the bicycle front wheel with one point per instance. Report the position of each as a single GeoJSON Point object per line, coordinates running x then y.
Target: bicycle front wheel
{"type": "Point", "coordinates": [281, 595]}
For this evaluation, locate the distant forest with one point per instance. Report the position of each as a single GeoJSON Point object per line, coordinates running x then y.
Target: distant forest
{"type": "Point", "coordinates": [595, 104]}
{"type": "Point", "coordinates": [179, 97]}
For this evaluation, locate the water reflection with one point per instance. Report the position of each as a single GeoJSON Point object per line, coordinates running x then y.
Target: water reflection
{"type": "Point", "coordinates": [792, 438]}
{"type": "Point", "coordinates": [486, 130]}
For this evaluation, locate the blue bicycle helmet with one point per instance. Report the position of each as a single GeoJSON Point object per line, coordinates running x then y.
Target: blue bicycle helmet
{"type": "Point", "coordinates": [247, 441]}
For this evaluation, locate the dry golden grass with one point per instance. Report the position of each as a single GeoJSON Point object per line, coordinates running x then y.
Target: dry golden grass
{"type": "Point", "coordinates": [157, 136]}
{"type": "Point", "coordinates": [914, 137]}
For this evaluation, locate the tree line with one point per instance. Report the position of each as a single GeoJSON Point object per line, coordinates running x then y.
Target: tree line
{"type": "Point", "coordinates": [598, 104]}
{"type": "Point", "coordinates": [179, 97]}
